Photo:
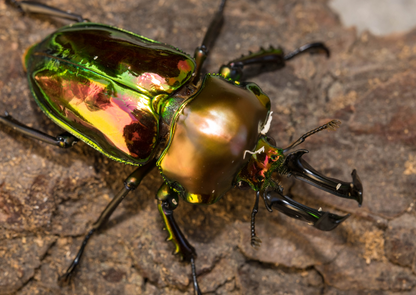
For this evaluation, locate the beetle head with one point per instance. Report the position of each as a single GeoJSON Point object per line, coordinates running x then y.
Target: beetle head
{"type": "Point", "coordinates": [268, 158]}
{"type": "Point", "coordinates": [263, 162]}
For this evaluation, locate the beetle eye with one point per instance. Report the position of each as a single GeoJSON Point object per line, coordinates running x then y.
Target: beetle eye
{"type": "Point", "coordinates": [260, 178]}
{"type": "Point", "coordinates": [271, 140]}
{"type": "Point", "coordinates": [243, 185]}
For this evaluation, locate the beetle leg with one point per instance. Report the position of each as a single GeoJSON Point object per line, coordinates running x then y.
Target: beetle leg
{"type": "Point", "coordinates": [39, 8]}
{"type": "Point", "coordinates": [300, 169]}
{"type": "Point", "coordinates": [317, 47]}
{"type": "Point", "coordinates": [168, 201]}
{"type": "Point", "coordinates": [273, 57]}
{"type": "Point", "coordinates": [267, 59]}
{"type": "Point", "coordinates": [319, 219]}
{"type": "Point", "coordinates": [211, 35]}
{"type": "Point", "coordinates": [130, 184]}
{"type": "Point", "coordinates": [64, 140]}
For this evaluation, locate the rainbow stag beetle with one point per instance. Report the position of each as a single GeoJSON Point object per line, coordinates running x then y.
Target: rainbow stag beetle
{"type": "Point", "coordinates": [145, 103]}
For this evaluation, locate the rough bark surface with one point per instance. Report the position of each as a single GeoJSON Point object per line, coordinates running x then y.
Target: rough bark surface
{"type": "Point", "coordinates": [49, 197]}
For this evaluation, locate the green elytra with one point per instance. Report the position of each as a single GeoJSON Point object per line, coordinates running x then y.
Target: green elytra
{"type": "Point", "coordinates": [100, 83]}
{"type": "Point", "coordinates": [144, 103]}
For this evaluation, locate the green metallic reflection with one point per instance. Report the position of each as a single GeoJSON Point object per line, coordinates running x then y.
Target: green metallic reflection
{"type": "Point", "coordinates": [106, 86]}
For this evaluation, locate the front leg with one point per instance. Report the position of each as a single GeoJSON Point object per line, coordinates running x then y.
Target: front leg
{"type": "Point", "coordinates": [268, 59]}
{"type": "Point", "coordinates": [168, 201]}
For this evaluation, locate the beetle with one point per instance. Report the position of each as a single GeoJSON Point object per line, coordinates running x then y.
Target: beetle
{"type": "Point", "coordinates": [146, 104]}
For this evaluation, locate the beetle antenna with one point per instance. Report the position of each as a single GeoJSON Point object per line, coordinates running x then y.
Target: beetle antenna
{"type": "Point", "coordinates": [196, 287]}
{"type": "Point", "coordinates": [255, 240]}
{"type": "Point", "coordinates": [332, 125]}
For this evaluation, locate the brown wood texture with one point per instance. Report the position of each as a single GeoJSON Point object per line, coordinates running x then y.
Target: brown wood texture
{"type": "Point", "coordinates": [49, 197]}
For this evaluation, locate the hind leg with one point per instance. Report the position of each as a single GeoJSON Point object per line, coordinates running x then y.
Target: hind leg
{"type": "Point", "coordinates": [39, 8]}
{"type": "Point", "coordinates": [64, 140]}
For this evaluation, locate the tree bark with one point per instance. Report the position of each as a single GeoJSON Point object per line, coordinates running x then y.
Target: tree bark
{"type": "Point", "coordinates": [49, 197]}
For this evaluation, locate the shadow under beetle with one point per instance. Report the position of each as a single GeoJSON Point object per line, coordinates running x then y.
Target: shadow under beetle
{"type": "Point", "coordinates": [145, 103]}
